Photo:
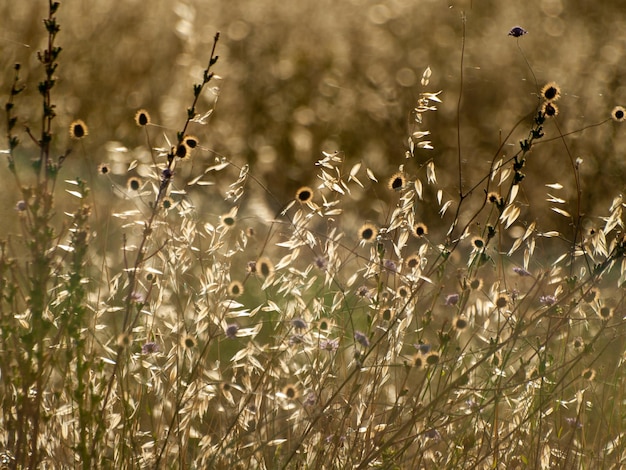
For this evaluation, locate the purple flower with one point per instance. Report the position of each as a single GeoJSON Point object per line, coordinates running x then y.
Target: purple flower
{"type": "Point", "coordinates": [330, 345]}
{"type": "Point", "coordinates": [231, 331]}
{"type": "Point", "coordinates": [517, 31]}
{"type": "Point", "coordinates": [548, 300]}
{"type": "Point", "coordinates": [521, 271]}
{"type": "Point", "coordinates": [299, 324]}
{"type": "Point", "coordinates": [362, 339]}
{"type": "Point", "coordinates": [149, 348]}
{"type": "Point", "coordinates": [452, 299]}
{"type": "Point", "coordinates": [390, 265]}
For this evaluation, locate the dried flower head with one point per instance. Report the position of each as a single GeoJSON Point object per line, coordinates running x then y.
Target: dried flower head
{"type": "Point", "coordinates": [290, 391]}
{"type": "Point", "coordinates": [368, 232]}
{"type": "Point", "coordinates": [550, 92]}
{"type": "Point", "coordinates": [188, 341]}
{"type": "Point", "coordinates": [478, 243]}
{"type": "Point", "coordinates": [304, 195]}
{"type": "Point", "coordinates": [124, 340]}
{"type": "Point", "coordinates": [191, 141]}
{"type": "Point", "coordinates": [78, 129]}
{"type": "Point", "coordinates": [578, 343]}
{"type": "Point", "coordinates": [235, 289]}
{"type": "Point", "coordinates": [167, 203]}
{"type": "Point", "coordinates": [181, 150]}
{"type": "Point", "coordinates": [418, 360]}
{"type": "Point", "coordinates": [517, 31]}
{"type": "Point", "coordinates": [618, 114]}
{"type": "Point", "coordinates": [133, 183]}
{"type": "Point", "coordinates": [419, 230]}
{"type": "Point", "coordinates": [264, 266]}
{"type": "Point", "coordinates": [142, 118]}
{"type": "Point", "coordinates": [228, 220]}
{"type": "Point", "coordinates": [325, 325]}
{"type": "Point", "coordinates": [476, 283]}
{"type": "Point", "coordinates": [588, 374]}
{"type": "Point", "coordinates": [549, 109]}
{"type": "Point", "coordinates": [606, 313]}
{"type": "Point", "coordinates": [495, 198]}
{"type": "Point", "coordinates": [386, 313]}
{"type": "Point", "coordinates": [413, 261]}
{"type": "Point", "coordinates": [397, 181]}
{"type": "Point", "coordinates": [403, 292]}
{"type": "Point", "coordinates": [460, 323]}
{"type": "Point", "coordinates": [502, 301]}
{"type": "Point", "coordinates": [104, 169]}
{"type": "Point", "coordinates": [432, 358]}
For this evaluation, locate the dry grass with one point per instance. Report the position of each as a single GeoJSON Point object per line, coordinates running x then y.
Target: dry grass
{"type": "Point", "coordinates": [160, 312]}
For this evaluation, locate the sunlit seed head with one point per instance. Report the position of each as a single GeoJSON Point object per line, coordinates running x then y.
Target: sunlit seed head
{"type": "Point", "coordinates": [251, 267]}
{"type": "Point", "coordinates": [133, 183]}
{"type": "Point", "coordinates": [606, 313]}
{"type": "Point", "coordinates": [396, 182]}
{"type": "Point", "coordinates": [618, 114]}
{"type": "Point", "coordinates": [235, 289]}
{"type": "Point", "coordinates": [264, 267]}
{"type": "Point", "coordinates": [104, 169]}
{"type": "Point", "coordinates": [502, 301]}
{"type": "Point", "coordinates": [386, 314]}
{"type": "Point", "coordinates": [290, 391]}
{"type": "Point", "coordinates": [420, 229]}
{"type": "Point", "coordinates": [190, 141]}
{"type": "Point", "coordinates": [413, 261]}
{"type": "Point", "coordinates": [403, 292]}
{"type": "Point", "coordinates": [550, 92]}
{"type": "Point", "coordinates": [549, 109]}
{"type": "Point", "coordinates": [124, 340]}
{"type": "Point", "coordinates": [188, 342]}
{"type": "Point", "coordinates": [517, 31]}
{"type": "Point", "coordinates": [78, 129]}
{"type": "Point", "coordinates": [494, 198]}
{"type": "Point", "coordinates": [368, 232]}
{"type": "Point", "coordinates": [181, 151]}
{"type": "Point", "coordinates": [418, 360]}
{"type": "Point", "coordinates": [325, 325]}
{"type": "Point", "coordinates": [478, 243]}
{"type": "Point", "coordinates": [142, 118]}
{"type": "Point", "coordinates": [167, 203]}
{"type": "Point", "coordinates": [476, 284]}
{"type": "Point", "coordinates": [460, 323]}
{"type": "Point", "coordinates": [227, 220]}
{"type": "Point", "coordinates": [304, 195]}
{"type": "Point", "coordinates": [588, 374]}
{"type": "Point", "coordinates": [578, 343]}
{"type": "Point", "coordinates": [432, 358]}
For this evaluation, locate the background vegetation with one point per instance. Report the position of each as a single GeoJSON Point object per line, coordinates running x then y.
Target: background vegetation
{"type": "Point", "coordinates": [125, 340]}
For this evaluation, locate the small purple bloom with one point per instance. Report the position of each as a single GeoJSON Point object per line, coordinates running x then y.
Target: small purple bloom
{"type": "Point", "coordinates": [452, 299]}
{"type": "Point", "coordinates": [149, 348]}
{"type": "Point", "coordinates": [20, 206]}
{"type": "Point", "coordinates": [390, 265]}
{"type": "Point", "coordinates": [231, 331]}
{"type": "Point", "coordinates": [517, 31]}
{"type": "Point", "coordinates": [548, 300]}
{"type": "Point", "coordinates": [330, 345]}
{"type": "Point", "coordinates": [521, 271]}
{"type": "Point", "coordinates": [299, 324]}
{"type": "Point", "coordinates": [362, 339]}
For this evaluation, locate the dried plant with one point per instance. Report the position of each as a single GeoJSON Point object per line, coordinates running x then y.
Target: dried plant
{"type": "Point", "coordinates": [170, 319]}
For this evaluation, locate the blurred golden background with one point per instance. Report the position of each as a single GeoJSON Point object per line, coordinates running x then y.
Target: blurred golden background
{"type": "Point", "coordinates": [299, 78]}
